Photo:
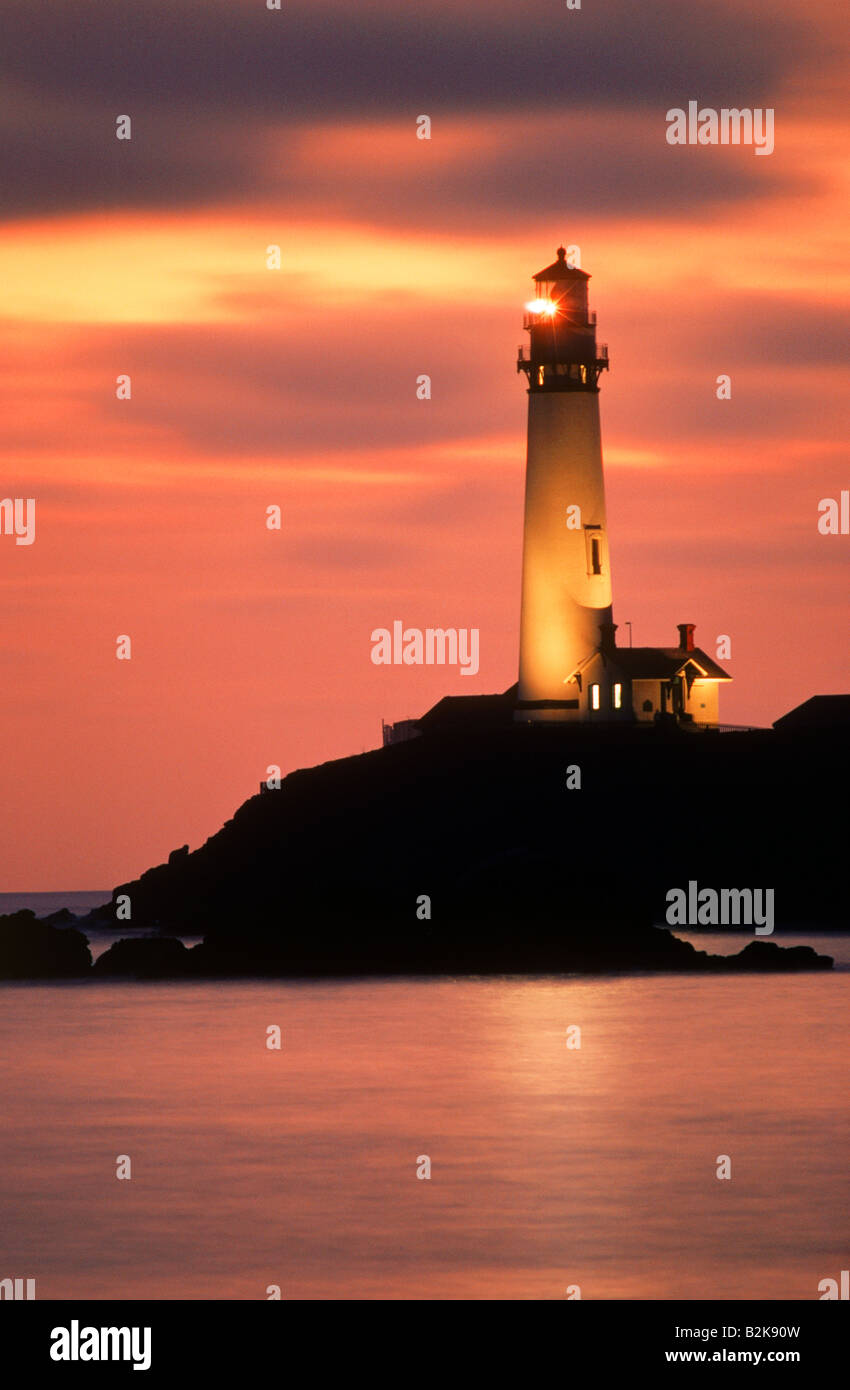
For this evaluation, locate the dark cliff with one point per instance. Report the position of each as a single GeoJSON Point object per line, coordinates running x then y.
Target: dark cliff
{"type": "Point", "coordinates": [329, 869]}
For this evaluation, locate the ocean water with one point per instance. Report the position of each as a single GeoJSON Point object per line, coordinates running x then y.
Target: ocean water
{"type": "Point", "coordinates": [549, 1167]}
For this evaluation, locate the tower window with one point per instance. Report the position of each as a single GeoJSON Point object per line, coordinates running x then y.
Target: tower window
{"type": "Point", "coordinates": [541, 372]}
{"type": "Point", "coordinates": [617, 696]}
{"type": "Point", "coordinates": [595, 542]}
{"type": "Point", "coordinates": [594, 697]}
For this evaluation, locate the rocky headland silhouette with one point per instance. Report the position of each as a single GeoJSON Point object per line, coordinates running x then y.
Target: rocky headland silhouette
{"type": "Point", "coordinates": [465, 851]}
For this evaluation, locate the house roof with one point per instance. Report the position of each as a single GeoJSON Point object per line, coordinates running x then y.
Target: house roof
{"type": "Point", "coordinates": [461, 709]}
{"type": "Point", "coordinates": [818, 712]}
{"type": "Point", "coordinates": [661, 663]}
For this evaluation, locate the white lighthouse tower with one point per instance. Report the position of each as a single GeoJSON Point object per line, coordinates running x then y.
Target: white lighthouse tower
{"type": "Point", "coordinates": [566, 668]}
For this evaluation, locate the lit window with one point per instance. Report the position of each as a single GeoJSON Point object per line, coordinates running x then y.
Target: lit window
{"type": "Point", "coordinates": [594, 697]}
{"type": "Point", "coordinates": [540, 375]}
{"type": "Point", "coordinates": [617, 696]}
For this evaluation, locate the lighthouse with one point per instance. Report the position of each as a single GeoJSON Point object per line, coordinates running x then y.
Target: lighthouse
{"type": "Point", "coordinates": [566, 625]}
{"type": "Point", "coordinates": [570, 667]}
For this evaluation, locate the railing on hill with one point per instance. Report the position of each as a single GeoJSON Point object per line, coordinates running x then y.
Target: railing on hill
{"type": "Point", "coordinates": [730, 728]}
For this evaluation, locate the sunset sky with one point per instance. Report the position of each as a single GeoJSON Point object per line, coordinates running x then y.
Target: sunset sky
{"type": "Point", "coordinates": [297, 386]}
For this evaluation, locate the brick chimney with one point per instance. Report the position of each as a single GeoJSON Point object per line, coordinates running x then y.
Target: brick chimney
{"type": "Point", "coordinates": [686, 636]}
{"type": "Point", "coordinates": [608, 640]}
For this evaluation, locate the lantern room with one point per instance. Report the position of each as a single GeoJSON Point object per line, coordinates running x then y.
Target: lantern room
{"type": "Point", "coordinates": [562, 354]}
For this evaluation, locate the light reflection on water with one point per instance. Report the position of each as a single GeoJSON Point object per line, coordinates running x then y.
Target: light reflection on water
{"type": "Point", "coordinates": [550, 1167]}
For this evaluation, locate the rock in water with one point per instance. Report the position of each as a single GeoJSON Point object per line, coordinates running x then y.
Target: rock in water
{"type": "Point", "coordinates": [145, 958]}
{"type": "Point", "coordinates": [33, 950]}
{"type": "Point", "coordinates": [768, 955]}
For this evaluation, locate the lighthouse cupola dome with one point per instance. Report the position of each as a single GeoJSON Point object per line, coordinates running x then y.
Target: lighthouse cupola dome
{"type": "Point", "coordinates": [563, 285]}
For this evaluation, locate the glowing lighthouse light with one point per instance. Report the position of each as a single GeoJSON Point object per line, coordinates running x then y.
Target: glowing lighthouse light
{"type": "Point", "coordinates": [542, 306]}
